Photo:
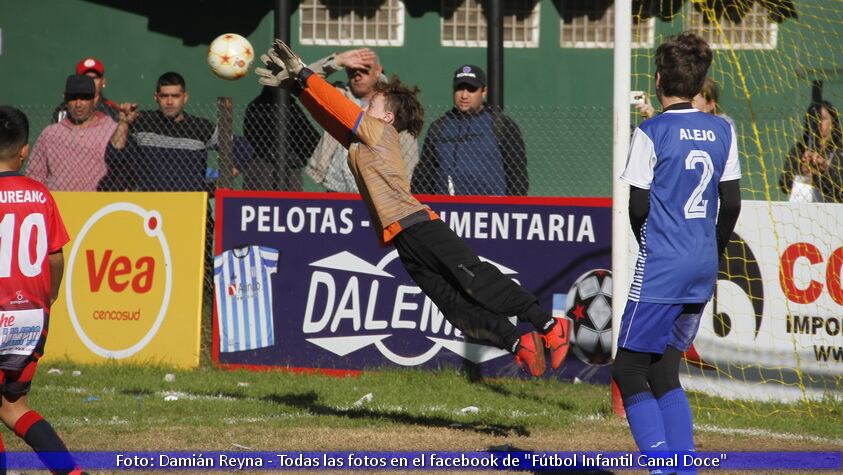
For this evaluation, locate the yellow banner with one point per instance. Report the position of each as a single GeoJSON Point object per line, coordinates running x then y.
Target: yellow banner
{"type": "Point", "coordinates": [132, 287]}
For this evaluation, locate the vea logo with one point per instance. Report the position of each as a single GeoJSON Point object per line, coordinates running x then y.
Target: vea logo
{"type": "Point", "coordinates": [119, 273]}
{"type": "Point", "coordinates": [353, 304]}
{"type": "Point", "coordinates": [119, 279]}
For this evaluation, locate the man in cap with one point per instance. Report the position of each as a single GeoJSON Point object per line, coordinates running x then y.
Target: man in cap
{"type": "Point", "coordinates": [93, 68]}
{"type": "Point", "coordinates": [472, 149]}
{"type": "Point", "coordinates": [70, 155]}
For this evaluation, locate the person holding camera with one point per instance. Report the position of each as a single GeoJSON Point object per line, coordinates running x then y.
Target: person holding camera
{"type": "Point", "coordinates": [813, 169]}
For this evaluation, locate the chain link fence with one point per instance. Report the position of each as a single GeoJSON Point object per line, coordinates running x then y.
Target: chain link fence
{"type": "Point", "coordinates": [538, 151]}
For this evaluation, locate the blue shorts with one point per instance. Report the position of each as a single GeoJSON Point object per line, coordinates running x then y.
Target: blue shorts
{"type": "Point", "coordinates": [650, 327]}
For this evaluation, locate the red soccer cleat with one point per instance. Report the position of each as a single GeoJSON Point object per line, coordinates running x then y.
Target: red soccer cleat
{"type": "Point", "coordinates": [558, 341]}
{"type": "Point", "coordinates": [530, 356]}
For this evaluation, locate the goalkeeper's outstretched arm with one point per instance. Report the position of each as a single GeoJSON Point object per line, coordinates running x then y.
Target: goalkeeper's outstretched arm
{"type": "Point", "coordinates": [337, 114]}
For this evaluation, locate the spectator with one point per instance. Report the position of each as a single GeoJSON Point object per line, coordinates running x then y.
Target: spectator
{"type": "Point", "coordinates": [164, 149]}
{"type": "Point", "coordinates": [813, 169]}
{"type": "Point", "coordinates": [93, 68]}
{"type": "Point", "coordinates": [270, 169]}
{"type": "Point", "coordinates": [472, 149]}
{"type": "Point", "coordinates": [705, 101]}
{"type": "Point", "coordinates": [327, 165]}
{"type": "Point", "coordinates": [646, 109]}
{"type": "Point", "coordinates": [708, 100]}
{"type": "Point", "coordinates": [70, 155]}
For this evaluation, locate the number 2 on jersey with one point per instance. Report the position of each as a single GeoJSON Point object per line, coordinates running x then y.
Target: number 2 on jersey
{"type": "Point", "coordinates": [28, 266]}
{"type": "Point", "coordinates": [696, 206]}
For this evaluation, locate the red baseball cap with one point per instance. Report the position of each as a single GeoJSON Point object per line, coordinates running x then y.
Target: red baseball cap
{"type": "Point", "coordinates": [90, 64]}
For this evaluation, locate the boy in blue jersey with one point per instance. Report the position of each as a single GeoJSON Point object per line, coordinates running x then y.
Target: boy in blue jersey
{"type": "Point", "coordinates": [680, 164]}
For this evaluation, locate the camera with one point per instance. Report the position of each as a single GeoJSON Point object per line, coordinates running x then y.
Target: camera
{"type": "Point", "coordinates": [637, 97]}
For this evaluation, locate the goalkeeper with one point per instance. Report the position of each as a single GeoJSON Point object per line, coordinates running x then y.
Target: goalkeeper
{"type": "Point", "coordinates": [473, 295]}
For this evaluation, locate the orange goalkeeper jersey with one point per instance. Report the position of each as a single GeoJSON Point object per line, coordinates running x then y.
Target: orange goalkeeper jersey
{"type": "Point", "coordinates": [374, 157]}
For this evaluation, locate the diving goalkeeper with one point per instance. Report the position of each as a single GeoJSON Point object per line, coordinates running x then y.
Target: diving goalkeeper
{"type": "Point", "coordinates": [473, 295]}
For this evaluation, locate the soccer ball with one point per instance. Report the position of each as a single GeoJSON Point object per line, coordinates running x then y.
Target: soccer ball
{"type": "Point", "coordinates": [230, 56]}
{"type": "Point", "coordinates": [589, 306]}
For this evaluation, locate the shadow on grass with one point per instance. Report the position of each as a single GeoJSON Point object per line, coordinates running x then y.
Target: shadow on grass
{"type": "Point", "coordinates": [500, 390]}
{"type": "Point", "coordinates": [310, 401]}
{"type": "Point", "coordinates": [501, 449]}
{"type": "Point", "coordinates": [137, 392]}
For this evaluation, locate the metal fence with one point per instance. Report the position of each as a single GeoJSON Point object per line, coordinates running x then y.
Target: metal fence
{"type": "Point", "coordinates": [565, 152]}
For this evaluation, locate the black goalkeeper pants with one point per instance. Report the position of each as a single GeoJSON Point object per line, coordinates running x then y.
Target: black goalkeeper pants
{"type": "Point", "coordinates": [473, 295]}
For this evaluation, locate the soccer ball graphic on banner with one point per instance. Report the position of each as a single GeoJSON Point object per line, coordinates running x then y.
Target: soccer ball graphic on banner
{"type": "Point", "coordinates": [589, 306]}
{"type": "Point", "coordinates": [230, 56]}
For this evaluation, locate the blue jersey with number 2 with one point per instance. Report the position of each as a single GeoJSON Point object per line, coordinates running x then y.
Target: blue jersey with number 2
{"type": "Point", "coordinates": [681, 156]}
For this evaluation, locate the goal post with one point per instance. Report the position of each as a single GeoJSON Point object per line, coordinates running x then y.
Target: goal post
{"type": "Point", "coordinates": [620, 191]}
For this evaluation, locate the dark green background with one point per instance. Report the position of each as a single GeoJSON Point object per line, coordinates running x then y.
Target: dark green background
{"type": "Point", "coordinates": [560, 97]}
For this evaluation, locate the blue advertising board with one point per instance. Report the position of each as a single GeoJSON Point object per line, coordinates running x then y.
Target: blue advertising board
{"type": "Point", "coordinates": [301, 282]}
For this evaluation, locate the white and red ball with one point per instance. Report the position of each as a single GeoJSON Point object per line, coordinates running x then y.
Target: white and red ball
{"type": "Point", "coordinates": [230, 56]}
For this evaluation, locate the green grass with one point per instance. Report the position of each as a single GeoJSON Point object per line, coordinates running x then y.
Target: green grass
{"type": "Point", "coordinates": [399, 398]}
{"type": "Point", "coordinates": [119, 397]}
{"type": "Point", "coordinates": [821, 418]}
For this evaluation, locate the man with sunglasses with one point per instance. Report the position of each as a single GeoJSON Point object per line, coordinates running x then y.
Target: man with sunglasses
{"type": "Point", "coordinates": [472, 149]}
{"type": "Point", "coordinates": [363, 69]}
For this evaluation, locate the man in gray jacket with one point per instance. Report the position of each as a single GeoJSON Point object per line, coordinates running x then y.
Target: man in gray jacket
{"type": "Point", "coordinates": [327, 165]}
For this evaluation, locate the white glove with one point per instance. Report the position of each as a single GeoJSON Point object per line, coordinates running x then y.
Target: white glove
{"type": "Point", "coordinates": [274, 74]}
{"type": "Point", "coordinates": [290, 61]}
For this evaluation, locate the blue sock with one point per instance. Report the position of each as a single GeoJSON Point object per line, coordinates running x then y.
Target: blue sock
{"type": "Point", "coordinates": [645, 422]}
{"type": "Point", "coordinates": [678, 422]}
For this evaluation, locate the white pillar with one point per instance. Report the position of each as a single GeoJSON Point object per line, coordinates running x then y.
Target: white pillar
{"type": "Point", "coordinates": [620, 138]}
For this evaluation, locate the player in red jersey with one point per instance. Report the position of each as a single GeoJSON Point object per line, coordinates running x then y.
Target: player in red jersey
{"type": "Point", "coordinates": [31, 265]}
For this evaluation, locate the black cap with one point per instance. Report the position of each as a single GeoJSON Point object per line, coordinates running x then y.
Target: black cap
{"type": "Point", "coordinates": [471, 75]}
{"type": "Point", "coordinates": [79, 85]}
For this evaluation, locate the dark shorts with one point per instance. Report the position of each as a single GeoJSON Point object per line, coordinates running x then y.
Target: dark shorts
{"type": "Point", "coordinates": [650, 327]}
{"type": "Point", "coordinates": [18, 382]}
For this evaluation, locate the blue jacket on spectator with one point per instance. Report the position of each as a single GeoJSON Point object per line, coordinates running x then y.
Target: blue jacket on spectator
{"type": "Point", "coordinates": [472, 154]}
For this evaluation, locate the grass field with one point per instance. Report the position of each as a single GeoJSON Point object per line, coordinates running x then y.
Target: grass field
{"type": "Point", "coordinates": [122, 407]}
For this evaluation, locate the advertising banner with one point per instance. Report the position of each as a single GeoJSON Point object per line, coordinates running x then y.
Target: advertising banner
{"type": "Point", "coordinates": [774, 329]}
{"type": "Point", "coordinates": [132, 287]}
{"type": "Point", "coordinates": [301, 282]}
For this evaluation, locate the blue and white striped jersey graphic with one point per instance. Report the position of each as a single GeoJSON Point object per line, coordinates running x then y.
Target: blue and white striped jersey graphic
{"type": "Point", "coordinates": [681, 156]}
{"type": "Point", "coordinates": [638, 278]}
{"type": "Point", "coordinates": [243, 292]}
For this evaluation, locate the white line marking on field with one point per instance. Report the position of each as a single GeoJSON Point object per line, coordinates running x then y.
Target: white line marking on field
{"type": "Point", "coordinates": [768, 434]}
{"type": "Point", "coordinates": [196, 397]}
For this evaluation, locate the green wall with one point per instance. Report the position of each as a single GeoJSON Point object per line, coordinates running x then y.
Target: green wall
{"type": "Point", "coordinates": [560, 97]}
